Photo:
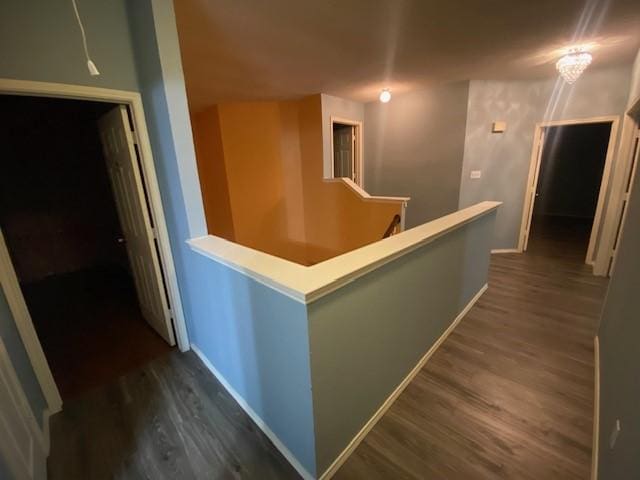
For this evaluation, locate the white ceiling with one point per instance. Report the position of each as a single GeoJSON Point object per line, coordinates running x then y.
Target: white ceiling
{"type": "Point", "coordinates": [272, 49]}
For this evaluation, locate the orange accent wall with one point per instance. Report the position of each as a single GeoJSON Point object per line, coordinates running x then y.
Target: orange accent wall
{"type": "Point", "coordinates": [212, 172]}
{"type": "Point", "coordinates": [260, 167]}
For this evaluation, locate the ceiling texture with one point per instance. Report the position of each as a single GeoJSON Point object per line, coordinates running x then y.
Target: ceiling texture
{"type": "Point", "coordinates": [278, 49]}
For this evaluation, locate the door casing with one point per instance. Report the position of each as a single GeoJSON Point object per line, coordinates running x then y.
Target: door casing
{"type": "Point", "coordinates": [358, 153]}
{"type": "Point", "coordinates": [534, 170]}
{"type": "Point", "coordinates": [622, 174]}
{"type": "Point", "coordinates": [8, 278]}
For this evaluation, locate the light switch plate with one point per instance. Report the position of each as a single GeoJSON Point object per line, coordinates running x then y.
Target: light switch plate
{"type": "Point", "coordinates": [475, 174]}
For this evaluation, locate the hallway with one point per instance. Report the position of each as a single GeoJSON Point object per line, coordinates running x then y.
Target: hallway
{"type": "Point", "coordinates": [510, 392]}
{"type": "Point", "coordinates": [508, 395]}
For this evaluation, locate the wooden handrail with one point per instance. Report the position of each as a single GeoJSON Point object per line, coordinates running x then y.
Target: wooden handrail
{"type": "Point", "coordinates": [395, 221]}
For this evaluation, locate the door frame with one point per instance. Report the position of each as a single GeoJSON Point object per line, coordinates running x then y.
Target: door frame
{"type": "Point", "coordinates": [614, 218]}
{"type": "Point", "coordinates": [534, 171]}
{"type": "Point", "coordinates": [358, 154]}
{"type": "Point", "coordinates": [8, 278]}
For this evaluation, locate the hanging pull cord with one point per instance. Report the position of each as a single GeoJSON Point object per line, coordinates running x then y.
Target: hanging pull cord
{"type": "Point", "coordinates": [93, 70]}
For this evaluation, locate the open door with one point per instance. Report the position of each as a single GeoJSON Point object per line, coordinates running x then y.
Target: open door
{"type": "Point", "coordinates": [635, 159]}
{"type": "Point", "coordinates": [530, 199]}
{"type": "Point", "coordinates": [344, 151]}
{"type": "Point", "coordinates": [135, 218]}
{"type": "Point", "coordinates": [22, 445]}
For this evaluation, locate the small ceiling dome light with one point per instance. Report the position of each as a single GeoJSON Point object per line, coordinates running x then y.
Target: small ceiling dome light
{"type": "Point", "coordinates": [573, 64]}
{"type": "Point", "coordinates": [385, 95]}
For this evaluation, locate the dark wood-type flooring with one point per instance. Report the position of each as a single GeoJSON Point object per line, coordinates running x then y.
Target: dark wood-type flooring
{"type": "Point", "coordinates": [91, 328]}
{"type": "Point", "coordinates": [510, 392]}
{"type": "Point", "coordinates": [508, 395]}
{"type": "Point", "coordinates": [168, 420]}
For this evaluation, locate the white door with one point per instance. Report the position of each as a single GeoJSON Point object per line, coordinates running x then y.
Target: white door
{"type": "Point", "coordinates": [22, 446]}
{"type": "Point", "coordinates": [343, 151]}
{"type": "Point", "coordinates": [127, 183]}
{"type": "Point", "coordinates": [635, 159]}
{"type": "Point", "coordinates": [533, 187]}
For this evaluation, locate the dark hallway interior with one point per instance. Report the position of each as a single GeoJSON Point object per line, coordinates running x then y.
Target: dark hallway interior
{"type": "Point", "coordinates": [61, 227]}
{"type": "Point", "coordinates": [571, 170]}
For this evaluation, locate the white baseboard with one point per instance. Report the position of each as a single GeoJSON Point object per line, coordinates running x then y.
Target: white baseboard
{"type": "Point", "coordinates": [596, 409]}
{"type": "Point", "coordinates": [506, 250]}
{"type": "Point", "coordinates": [339, 461]}
{"type": "Point", "coordinates": [254, 416]}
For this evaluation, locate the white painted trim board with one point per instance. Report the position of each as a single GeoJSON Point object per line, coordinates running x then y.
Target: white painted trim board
{"type": "Point", "coordinates": [596, 409]}
{"type": "Point", "coordinates": [307, 284]}
{"type": "Point", "coordinates": [253, 415]}
{"type": "Point", "coordinates": [24, 324]}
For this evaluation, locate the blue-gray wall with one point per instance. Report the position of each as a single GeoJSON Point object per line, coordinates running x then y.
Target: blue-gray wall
{"type": "Point", "coordinates": [40, 41]}
{"type": "Point", "coordinates": [254, 337]}
{"type": "Point", "coordinates": [414, 146]}
{"type": "Point", "coordinates": [367, 336]}
{"type": "Point", "coordinates": [619, 335]}
{"type": "Point", "coordinates": [504, 159]}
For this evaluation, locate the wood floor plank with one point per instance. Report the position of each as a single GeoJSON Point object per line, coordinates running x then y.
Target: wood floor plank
{"type": "Point", "coordinates": [168, 420]}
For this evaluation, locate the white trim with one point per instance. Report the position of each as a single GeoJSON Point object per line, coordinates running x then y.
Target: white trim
{"type": "Point", "coordinates": [339, 461]}
{"type": "Point", "coordinates": [534, 170]}
{"type": "Point", "coordinates": [365, 197]}
{"type": "Point", "coordinates": [358, 190]}
{"type": "Point", "coordinates": [505, 250]}
{"type": "Point", "coordinates": [359, 154]}
{"type": "Point", "coordinates": [134, 101]}
{"type": "Point", "coordinates": [596, 409]}
{"type": "Point", "coordinates": [307, 284]}
{"type": "Point", "coordinates": [253, 415]}
{"type": "Point", "coordinates": [605, 255]}
{"type": "Point", "coordinates": [24, 324]}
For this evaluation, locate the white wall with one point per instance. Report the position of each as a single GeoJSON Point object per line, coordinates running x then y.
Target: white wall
{"type": "Point", "coordinates": [504, 158]}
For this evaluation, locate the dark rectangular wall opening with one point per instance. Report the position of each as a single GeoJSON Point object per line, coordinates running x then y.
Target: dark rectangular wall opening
{"type": "Point", "coordinates": [571, 169]}
{"type": "Point", "coordinates": [59, 219]}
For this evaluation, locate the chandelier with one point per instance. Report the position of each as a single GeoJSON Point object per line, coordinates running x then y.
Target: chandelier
{"type": "Point", "coordinates": [573, 64]}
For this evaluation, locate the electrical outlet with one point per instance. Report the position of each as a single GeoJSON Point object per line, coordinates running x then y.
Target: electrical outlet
{"type": "Point", "coordinates": [475, 174]}
{"type": "Point", "coordinates": [614, 434]}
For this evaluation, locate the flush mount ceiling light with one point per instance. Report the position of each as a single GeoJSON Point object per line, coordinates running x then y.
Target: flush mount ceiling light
{"type": "Point", "coordinates": [573, 64]}
{"type": "Point", "coordinates": [385, 95]}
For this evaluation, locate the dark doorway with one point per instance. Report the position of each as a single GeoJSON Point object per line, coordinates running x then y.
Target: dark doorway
{"type": "Point", "coordinates": [571, 169]}
{"type": "Point", "coordinates": [60, 223]}
{"type": "Point", "coordinates": [346, 138]}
